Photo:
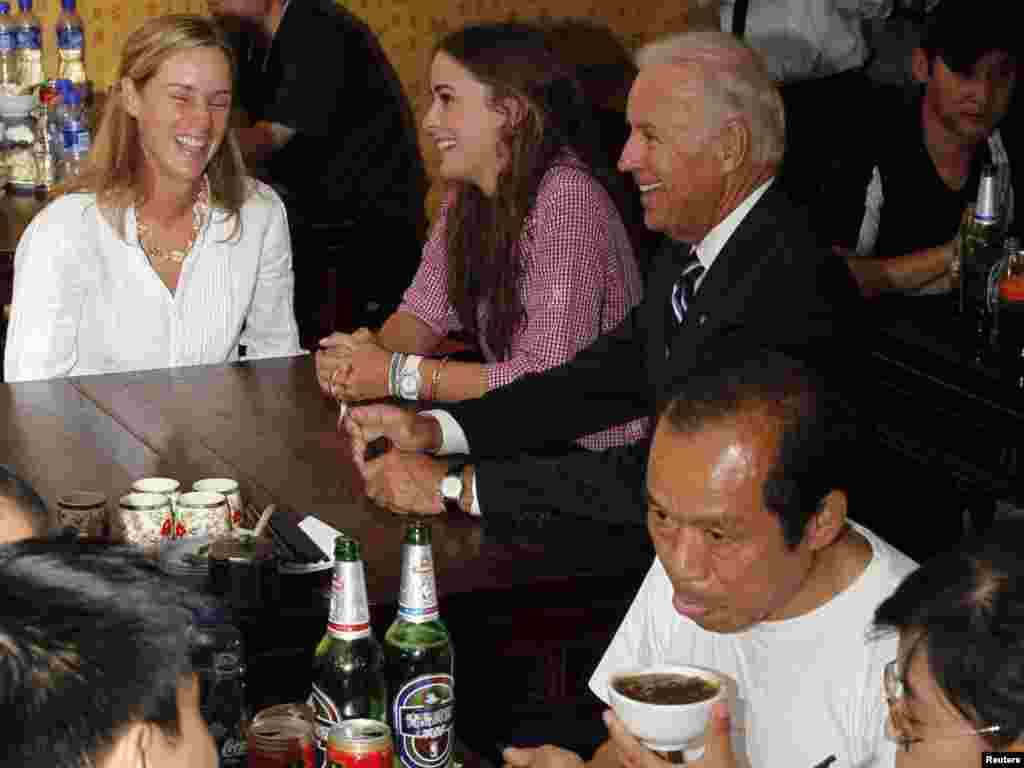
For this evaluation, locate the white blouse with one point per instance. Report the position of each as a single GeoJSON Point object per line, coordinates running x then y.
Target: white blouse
{"type": "Point", "coordinates": [87, 302]}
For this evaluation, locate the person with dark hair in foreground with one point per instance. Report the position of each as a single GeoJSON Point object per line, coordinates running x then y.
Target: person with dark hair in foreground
{"type": "Point", "coordinates": [22, 513]}
{"type": "Point", "coordinates": [759, 573]}
{"type": "Point", "coordinates": [955, 687]}
{"type": "Point", "coordinates": [94, 661]}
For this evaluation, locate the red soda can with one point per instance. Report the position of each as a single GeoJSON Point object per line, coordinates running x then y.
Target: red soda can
{"type": "Point", "coordinates": [360, 743]}
{"type": "Point", "coordinates": [282, 737]}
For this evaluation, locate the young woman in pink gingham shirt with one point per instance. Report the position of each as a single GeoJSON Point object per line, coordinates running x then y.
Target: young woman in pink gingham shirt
{"type": "Point", "coordinates": [501, 100]}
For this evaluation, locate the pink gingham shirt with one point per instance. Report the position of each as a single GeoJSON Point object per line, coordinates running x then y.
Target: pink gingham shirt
{"type": "Point", "coordinates": [579, 279]}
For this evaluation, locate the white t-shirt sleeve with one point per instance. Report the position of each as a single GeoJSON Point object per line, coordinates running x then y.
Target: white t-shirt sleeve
{"type": "Point", "coordinates": [50, 265]}
{"type": "Point", "coordinates": [635, 641]}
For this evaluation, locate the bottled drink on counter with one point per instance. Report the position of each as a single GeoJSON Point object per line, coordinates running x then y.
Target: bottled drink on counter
{"type": "Point", "coordinates": [419, 663]}
{"type": "Point", "coordinates": [8, 47]}
{"type": "Point", "coordinates": [1009, 313]}
{"type": "Point", "coordinates": [218, 657]}
{"type": "Point", "coordinates": [28, 46]}
{"type": "Point", "coordinates": [70, 44]}
{"type": "Point", "coordinates": [348, 680]}
{"type": "Point", "coordinates": [978, 230]}
{"type": "Point", "coordinates": [51, 98]}
{"type": "Point", "coordinates": [75, 128]}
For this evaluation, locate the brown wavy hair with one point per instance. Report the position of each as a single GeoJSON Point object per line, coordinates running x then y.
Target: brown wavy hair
{"type": "Point", "coordinates": [514, 61]}
{"type": "Point", "coordinates": [113, 168]}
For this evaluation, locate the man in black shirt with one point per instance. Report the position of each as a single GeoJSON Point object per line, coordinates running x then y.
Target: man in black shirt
{"type": "Point", "coordinates": [921, 163]}
{"type": "Point", "coordinates": [333, 133]}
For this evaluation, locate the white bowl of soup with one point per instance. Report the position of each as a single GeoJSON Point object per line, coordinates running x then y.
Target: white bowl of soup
{"type": "Point", "coordinates": [666, 706]}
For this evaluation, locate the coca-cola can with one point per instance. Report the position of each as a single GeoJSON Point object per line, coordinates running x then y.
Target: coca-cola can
{"type": "Point", "coordinates": [282, 737]}
{"type": "Point", "coordinates": [360, 743]}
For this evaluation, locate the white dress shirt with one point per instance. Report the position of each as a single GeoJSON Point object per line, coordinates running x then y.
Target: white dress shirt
{"type": "Point", "coordinates": [87, 301]}
{"type": "Point", "coordinates": [453, 438]}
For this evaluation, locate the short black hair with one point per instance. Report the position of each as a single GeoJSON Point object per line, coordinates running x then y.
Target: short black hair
{"type": "Point", "coordinates": [962, 31]}
{"type": "Point", "coordinates": [24, 498]}
{"type": "Point", "coordinates": [91, 638]}
{"type": "Point", "coordinates": [967, 609]}
{"type": "Point", "coordinates": [818, 436]}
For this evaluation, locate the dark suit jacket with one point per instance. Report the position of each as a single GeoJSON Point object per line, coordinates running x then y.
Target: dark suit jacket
{"type": "Point", "coordinates": [771, 285]}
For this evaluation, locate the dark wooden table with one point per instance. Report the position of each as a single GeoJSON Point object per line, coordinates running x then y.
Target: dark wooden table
{"type": "Point", "coordinates": [948, 415]}
{"type": "Point", "coordinates": [528, 617]}
{"type": "Point", "coordinates": [266, 424]}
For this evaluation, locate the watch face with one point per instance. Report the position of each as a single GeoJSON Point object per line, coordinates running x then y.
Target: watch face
{"type": "Point", "coordinates": [451, 487]}
{"type": "Point", "coordinates": [409, 385]}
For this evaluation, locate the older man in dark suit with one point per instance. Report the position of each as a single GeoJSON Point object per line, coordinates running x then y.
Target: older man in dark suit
{"type": "Point", "coordinates": [706, 141]}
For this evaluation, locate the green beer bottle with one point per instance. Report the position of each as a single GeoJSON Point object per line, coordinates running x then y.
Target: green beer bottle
{"type": "Point", "coordinates": [419, 663]}
{"type": "Point", "coordinates": [348, 679]}
{"type": "Point", "coordinates": [980, 228]}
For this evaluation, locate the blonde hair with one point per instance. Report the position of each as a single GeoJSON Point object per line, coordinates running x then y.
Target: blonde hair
{"type": "Point", "coordinates": [737, 85]}
{"type": "Point", "coordinates": [113, 168]}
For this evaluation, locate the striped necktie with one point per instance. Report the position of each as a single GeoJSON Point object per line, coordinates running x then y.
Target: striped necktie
{"type": "Point", "coordinates": [685, 286]}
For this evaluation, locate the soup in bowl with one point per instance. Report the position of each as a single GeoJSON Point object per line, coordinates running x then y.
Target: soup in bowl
{"type": "Point", "coordinates": [666, 706]}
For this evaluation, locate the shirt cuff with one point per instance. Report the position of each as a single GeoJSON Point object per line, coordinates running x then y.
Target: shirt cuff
{"type": "Point", "coordinates": [453, 439]}
{"type": "Point", "coordinates": [474, 508]}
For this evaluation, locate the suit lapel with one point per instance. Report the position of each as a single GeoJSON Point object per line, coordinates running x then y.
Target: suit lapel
{"type": "Point", "coordinates": [725, 288]}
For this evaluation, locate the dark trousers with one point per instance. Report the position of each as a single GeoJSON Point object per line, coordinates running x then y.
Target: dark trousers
{"type": "Point", "coordinates": [347, 277]}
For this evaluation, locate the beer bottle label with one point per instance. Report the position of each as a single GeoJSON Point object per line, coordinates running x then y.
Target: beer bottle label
{"type": "Point", "coordinates": [325, 717]}
{"type": "Point", "coordinates": [424, 716]}
{"type": "Point", "coordinates": [417, 600]}
{"type": "Point", "coordinates": [349, 618]}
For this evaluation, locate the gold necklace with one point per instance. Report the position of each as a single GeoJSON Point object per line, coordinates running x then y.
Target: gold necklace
{"type": "Point", "coordinates": [153, 251]}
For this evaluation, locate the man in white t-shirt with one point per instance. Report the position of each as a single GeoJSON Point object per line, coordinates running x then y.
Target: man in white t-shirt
{"type": "Point", "coordinates": [759, 574]}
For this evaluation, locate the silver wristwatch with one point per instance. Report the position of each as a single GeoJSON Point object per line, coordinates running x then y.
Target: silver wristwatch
{"type": "Point", "coordinates": [409, 379]}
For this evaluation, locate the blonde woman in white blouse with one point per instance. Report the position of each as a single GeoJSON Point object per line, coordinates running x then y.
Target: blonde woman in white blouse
{"type": "Point", "coordinates": [162, 252]}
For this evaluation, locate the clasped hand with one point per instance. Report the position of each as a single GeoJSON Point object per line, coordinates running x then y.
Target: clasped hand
{"type": "Point", "coordinates": [404, 479]}
{"type": "Point", "coordinates": [353, 366]}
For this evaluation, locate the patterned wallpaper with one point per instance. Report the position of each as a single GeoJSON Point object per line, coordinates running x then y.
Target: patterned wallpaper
{"type": "Point", "coordinates": [107, 24]}
{"type": "Point", "coordinates": [407, 29]}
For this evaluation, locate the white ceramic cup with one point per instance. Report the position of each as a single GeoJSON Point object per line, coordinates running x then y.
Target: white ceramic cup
{"type": "Point", "coordinates": [227, 487]}
{"type": "Point", "coordinates": [143, 519]}
{"type": "Point", "coordinates": [202, 513]}
{"type": "Point", "coordinates": [666, 727]}
{"type": "Point", "coordinates": [168, 486]}
{"type": "Point", "coordinates": [85, 511]}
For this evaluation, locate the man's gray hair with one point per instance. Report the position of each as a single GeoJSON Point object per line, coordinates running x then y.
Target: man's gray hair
{"type": "Point", "coordinates": [737, 85]}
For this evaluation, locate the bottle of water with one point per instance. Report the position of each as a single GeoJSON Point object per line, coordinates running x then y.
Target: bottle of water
{"type": "Point", "coordinates": [53, 100]}
{"type": "Point", "coordinates": [218, 658]}
{"type": "Point", "coordinates": [76, 133]}
{"type": "Point", "coordinates": [8, 60]}
{"type": "Point", "coordinates": [28, 46]}
{"type": "Point", "coordinates": [70, 44]}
